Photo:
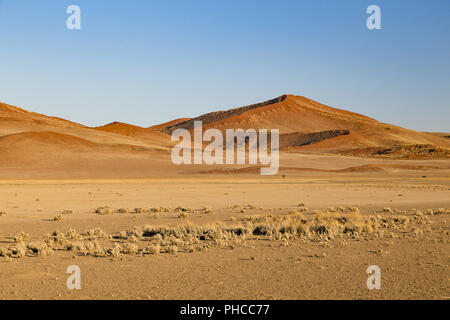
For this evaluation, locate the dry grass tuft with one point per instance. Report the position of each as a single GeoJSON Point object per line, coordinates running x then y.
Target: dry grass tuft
{"type": "Point", "coordinates": [123, 210]}
{"type": "Point", "coordinates": [40, 249]}
{"type": "Point", "coordinates": [104, 210]}
{"type": "Point", "coordinates": [21, 237]}
{"type": "Point", "coordinates": [183, 215]}
{"type": "Point", "coordinates": [97, 234]}
{"type": "Point", "coordinates": [141, 210]}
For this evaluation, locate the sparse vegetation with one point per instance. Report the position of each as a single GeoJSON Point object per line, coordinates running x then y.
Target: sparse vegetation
{"type": "Point", "coordinates": [319, 226]}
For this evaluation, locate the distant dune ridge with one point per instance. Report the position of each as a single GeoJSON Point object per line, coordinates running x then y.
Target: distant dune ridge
{"type": "Point", "coordinates": [31, 141]}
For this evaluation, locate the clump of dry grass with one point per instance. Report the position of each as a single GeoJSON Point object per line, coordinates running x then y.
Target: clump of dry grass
{"type": "Point", "coordinates": [437, 211]}
{"type": "Point", "coordinates": [5, 252]}
{"type": "Point", "coordinates": [97, 234]}
{"type": "Point", "coordinates": [104, 210]}
{"type": "Point", "coordinates": [123, 210]}
{"type": "Point", "coordinates": [2, 213]}
{"type": "Point", "coordinates": [173, 249]}
{"type": "Point", "coordinates": [159, 210]}
{"type": "Point", "coordinates": [58, 218]}
{"type": "Point", "coordinates": [115, 251]}
{"type": "Point", "coordinates": [73, 235]}
{"type": "Point", "coordinates": [40, 249]}
{"type": "Point", "coordinates": [68, 211]}
{"type": "Point", "coordinates": [207, 210]}
{"type": "Point", "coordinates": [21, 237]}
{"type": "Point", "coordinates": [183, 215]}
{"type": "Point", "coordinates": [19, 250]}
{"type": "Point", "coordinates": [129, 248]}
{"type": "Point", "coordinates": [182, 209]}
{"type": "Point", "coordinates": [141, 210]}
{"type": "Point", "coordinates": [153, 249]}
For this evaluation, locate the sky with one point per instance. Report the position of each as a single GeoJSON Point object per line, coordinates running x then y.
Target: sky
{"type": "Point", "coordinates": [146, 62]}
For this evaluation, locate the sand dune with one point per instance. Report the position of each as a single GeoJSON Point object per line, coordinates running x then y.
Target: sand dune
{"type": "Point", "coordinates": [37, 142]}
{"type": "Point", "coordinates": [297, 116]}
{"type": "Point", "coordinates": [8, 113]}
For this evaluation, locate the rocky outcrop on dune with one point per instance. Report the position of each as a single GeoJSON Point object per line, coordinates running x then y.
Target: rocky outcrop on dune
{"type": "Point", "coordinates": [169, 123]}
{"type": "Point", "coordinates": [302, 139]}
{"type": "Point", "coordinates": [219, 115]}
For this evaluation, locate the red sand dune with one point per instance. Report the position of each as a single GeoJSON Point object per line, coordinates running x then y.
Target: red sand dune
{"type": "Point", "coordinates": [11, 113]}
{"type": "Point", "coordinates": [34, 142]}
{"type": "Point", "coordinates": [297, 116]}
{"type": "Point", "coordinates": [130, 130]}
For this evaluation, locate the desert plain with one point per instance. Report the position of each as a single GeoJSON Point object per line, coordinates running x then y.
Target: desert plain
{"type": "Point", "coordinates": [350, 193]}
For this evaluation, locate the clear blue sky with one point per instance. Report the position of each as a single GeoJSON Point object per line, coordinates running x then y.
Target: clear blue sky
{"type": "Point", "coordinates": [146, 62]}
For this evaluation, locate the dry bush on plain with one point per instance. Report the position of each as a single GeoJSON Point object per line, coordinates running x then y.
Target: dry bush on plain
{"type": "Point", "coordinates": [104, 210]}
{"type": "Point", "coordinates": [206, 210]}
{"type": "Point", "coordinates": [123, 210]}
{"type": "Point", "coordinates": [318, 226]}
{"type": "Point", "coordinates": [68, 211]}
{"type": "Point", "coordinates": [183, 215]}
{"type": "Point", "coordinates": [2, 213]}
{"type": "Point", "coordinates": [40, 249]}
{"type": "Point", "coordinates": [58, 218]}
{"type": "Point", "coordinates": [19, 250]}
{"type": "Point", "coordinates": [21, 237]}
{"type": "Point", "coordinates": [141, 210]}
{"type": "Point", "coordinates": [159, 210]}
{"type": "Point", "coordinates": [173, 249]}
{"type": "Point", "coordinates": [182, 209]}
{"type": "Point", "coordinates": [97, 234]}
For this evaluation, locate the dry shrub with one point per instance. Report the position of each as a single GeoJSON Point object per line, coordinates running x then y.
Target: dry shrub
{"type": "Point", "coordinates": [73, 235]}
{"type": "Point", "coordinates": [115, 251]}
{"type": "Point", "coordinates": [97, 234]}
{"type": "Point", "coordinates": [153, 249]}
{"type": "Point", "coordinates": [183, 215]}
{"type": "Point", "coordinates": [5, 252]}
{"type": "Point", "coordinates": [21, 237]}
{"type": "Point", "coordinates": [40, 249]}
{"type": "Point", "coordinates": [129, 248]}
{"type": "Point", "coordinates": [141, 210]}
{"type": "Point", "coordinates": [19, 250]}
{"type": "Point", "coordinates": [437, 211]}
{"type": "Point", "coordinates": [2, 213]}
{"type": "Point", "coordinates": [68, 211]}
{"type": "Point", "coordinates": [173, 249]}
{"type": "Point", "coordinates": [104, 210]}
{"type": "Point", "coordinates": [123, 210]}
{"type": "Point", "coordinates": [206, 210]}
{"type": "Point", "coordinates": [159, 210]}
{"type": "Point", "coordinates": [58, 218]}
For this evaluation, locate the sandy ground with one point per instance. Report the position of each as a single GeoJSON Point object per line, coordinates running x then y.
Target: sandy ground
{"type": "Point", "coordinates": [414, 265]}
